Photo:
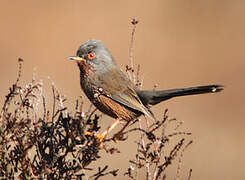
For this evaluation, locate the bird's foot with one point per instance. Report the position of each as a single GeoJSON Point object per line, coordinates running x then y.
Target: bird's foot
{"type": "Point", "coordinates": [119, 137]}
{"type": "Point", "coordinates": [101, 137]}
{"type": "Point", "coordinates": [89, 133]}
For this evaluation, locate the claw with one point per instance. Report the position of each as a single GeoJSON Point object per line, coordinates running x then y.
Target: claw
{"type": "Point", "coordinates": [101, 137]}
{"type": "Point", "coordinates": [89, 133]}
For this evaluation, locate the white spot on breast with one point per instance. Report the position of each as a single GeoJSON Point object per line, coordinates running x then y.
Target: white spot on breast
{"type": "Point", "coordinates": [100, 89]}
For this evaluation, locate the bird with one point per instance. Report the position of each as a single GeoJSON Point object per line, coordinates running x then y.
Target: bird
{"type": "Point", "coordinates": [113, 93]}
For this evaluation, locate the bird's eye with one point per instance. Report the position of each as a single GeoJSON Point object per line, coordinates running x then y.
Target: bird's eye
{"type": "Point", "coordinates": [91, 55]}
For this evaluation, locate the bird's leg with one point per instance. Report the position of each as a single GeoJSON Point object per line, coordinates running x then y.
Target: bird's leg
{"type": "Point", "coordinates": [117, 136]}
{"type": "Point", "coordinates": [114, 124]}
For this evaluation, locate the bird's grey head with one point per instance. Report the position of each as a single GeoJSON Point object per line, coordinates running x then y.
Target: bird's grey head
{"type": "Point", "coordinates": [95, 53]}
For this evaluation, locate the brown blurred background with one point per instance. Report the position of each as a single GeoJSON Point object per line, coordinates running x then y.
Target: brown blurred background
{"type": "Point", "coordinates": [178, 44]}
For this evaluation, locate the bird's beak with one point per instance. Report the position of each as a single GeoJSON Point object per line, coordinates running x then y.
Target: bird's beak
{"type": "Point", "coordinates": [76, 58]}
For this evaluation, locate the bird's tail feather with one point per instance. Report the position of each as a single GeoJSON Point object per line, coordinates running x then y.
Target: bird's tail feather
{"type": "Point", "coordinates": [155, 97]}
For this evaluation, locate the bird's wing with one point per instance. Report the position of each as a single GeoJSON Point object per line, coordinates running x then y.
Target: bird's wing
{"type": "Point", "coordinates": [117, 86]}
{"type": "Point", "coordinates": [130, 99]}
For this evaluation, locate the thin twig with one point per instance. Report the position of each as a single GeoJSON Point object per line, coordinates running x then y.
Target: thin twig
{"type": "Point", "coordinates": [190, 173]}
{"type": "Point", "coordinates": [130, 70]}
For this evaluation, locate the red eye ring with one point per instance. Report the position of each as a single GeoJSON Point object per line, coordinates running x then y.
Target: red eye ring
{"type": "Point", "coordinates": [91, 55]}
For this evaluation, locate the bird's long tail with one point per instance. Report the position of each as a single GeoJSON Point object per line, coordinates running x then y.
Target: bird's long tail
{"type": "Point", "coordinates": [155, 97]}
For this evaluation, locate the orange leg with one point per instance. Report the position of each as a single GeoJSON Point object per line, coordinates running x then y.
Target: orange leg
{"type": "Point", "coordinates": [102, 135]}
